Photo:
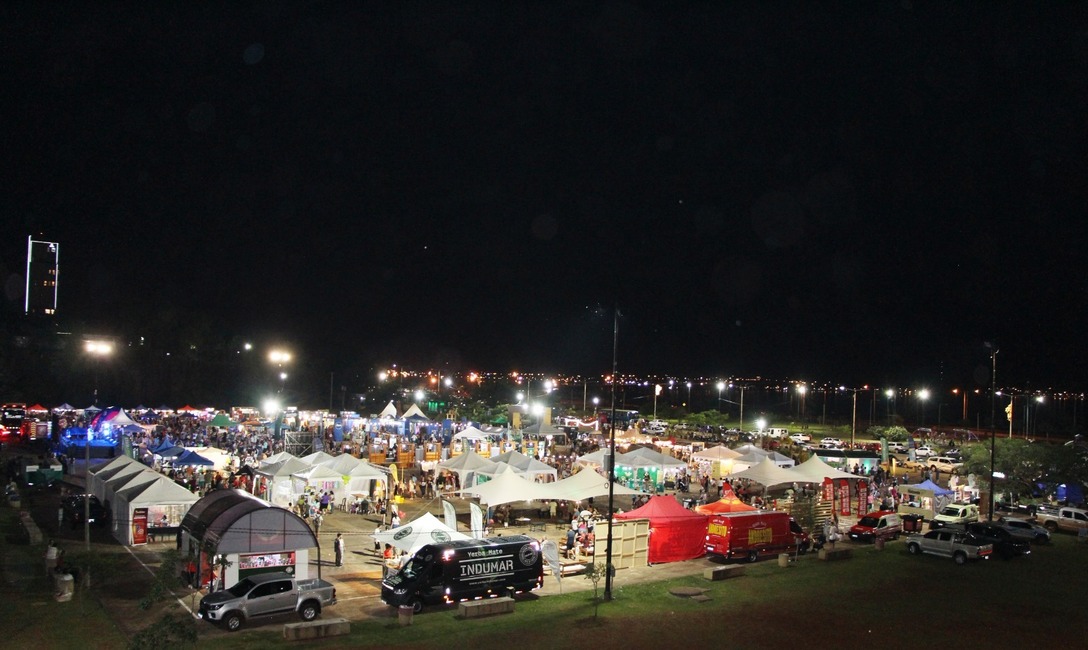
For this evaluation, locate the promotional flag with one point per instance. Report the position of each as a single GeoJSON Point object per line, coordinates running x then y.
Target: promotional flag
{"type": "Point", "coordinates": [476, 519]}
{"type": "Point", "coordinates": [450, 514]}
{"type": "Point", "coordinates": [844, 497]}
{"type": "Point", "coordinates": [139, 526]}
{"type": "Point", "coordinates": [829, 490]}
{"type": "Point", "coordinates": [550, 550]}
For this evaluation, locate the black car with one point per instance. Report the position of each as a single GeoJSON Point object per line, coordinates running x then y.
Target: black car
{"type": "Point", "coordinates": [1005, 543]}
{"type": "Point", "coordinates": [74, 510]}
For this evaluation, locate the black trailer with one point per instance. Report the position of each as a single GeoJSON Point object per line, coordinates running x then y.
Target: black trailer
{"type": "Point", "coordinates": [452, 572]}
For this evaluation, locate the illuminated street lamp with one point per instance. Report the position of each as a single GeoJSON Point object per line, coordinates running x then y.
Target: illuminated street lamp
{"type": "Point", "coordinates": [890, 394]}
{"type": "Point", "coordinates": [689, 396]}
{"type": "Point", "coordinates": [280, 357]}
{"type": "Point", "coordinates": [657, 391]}
{"type": "Point", "coordinates": [802, 390]}
{"type": "Point", "coordinates": [721, 387]}
{"type": "Point", "coordinates": [923, 395]}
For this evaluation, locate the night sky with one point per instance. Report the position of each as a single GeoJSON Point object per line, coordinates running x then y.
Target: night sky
{"type": "Point", "coordinates": [863, 192]}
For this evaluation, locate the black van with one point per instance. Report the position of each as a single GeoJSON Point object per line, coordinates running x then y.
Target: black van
{"type": "Point", "coordinates": [465, 570]}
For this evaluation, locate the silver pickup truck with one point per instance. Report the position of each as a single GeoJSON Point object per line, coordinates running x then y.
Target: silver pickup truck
{"type": "Point", "coordinates": [266, 594]}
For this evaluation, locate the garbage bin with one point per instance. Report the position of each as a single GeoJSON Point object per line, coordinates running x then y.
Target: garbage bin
{"type": "Point", "coordinates": [912, 523]}
{"type": "Point", "coordinates": [64, 586]}
{"type": "Point", "coordinates": [405, 614]}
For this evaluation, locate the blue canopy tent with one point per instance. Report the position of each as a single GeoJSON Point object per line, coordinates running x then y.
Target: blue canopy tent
{"type": "Point", "coordinates": [191, 458]}
{"type": "Point", "coordinates": [165, 445]}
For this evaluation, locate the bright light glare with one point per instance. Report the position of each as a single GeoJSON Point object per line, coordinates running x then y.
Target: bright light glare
{"type": "Point", "coordinates": [419, 396]}
{"type": "Point", "coordinates": [538, 409]}
{"type": "Point", "coordinates": [923, 394]}
{"type": "Point", "coordinates": [888, 393]}
{"type": "Point", "coordinates": [448, 382]}
{"type": "Point", "coordinates": [283, 376]}
{"type": "Point", "coordinates": [761, 423]}
{"type": "Point", "coordinates": [99, 348]}
{"type": "Point", "coordinates": [383, 375]}
{"type": "Point", "coordinates": [271, 406]}
{"type": "Point", "coordinates": [279, 356]}
{"type": "Point", "coordinates": [721, 386]}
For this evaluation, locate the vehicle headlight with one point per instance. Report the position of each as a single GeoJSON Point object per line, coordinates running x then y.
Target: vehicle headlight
{"type": "Point", "coordinates": [214, 607]}
{"type": "Point", "coordinates": [400, 591]}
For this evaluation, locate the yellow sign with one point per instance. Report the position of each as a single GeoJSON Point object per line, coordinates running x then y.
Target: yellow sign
{"type": "Point", "coordinates": [759, 536]}
{"type": "Point", "coordinates": [720, 530]}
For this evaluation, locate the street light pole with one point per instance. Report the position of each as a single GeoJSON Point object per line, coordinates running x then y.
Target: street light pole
{"type": "Point", "coordinates": [98, 350]}
{"type": "Point", "coordinates": [610, 465]}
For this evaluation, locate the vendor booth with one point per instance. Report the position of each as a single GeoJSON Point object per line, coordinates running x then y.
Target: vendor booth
{"type": "Point", "coordinates": [150, 511]}
{"type": "Point", "coordinates": [925, 499]}
{"type": "Point", "coordinates": [676, 533]}
{"type": "Point", "coordinates": [252, 536]}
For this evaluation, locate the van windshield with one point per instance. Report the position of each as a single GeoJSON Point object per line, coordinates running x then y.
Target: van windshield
{"type": "Point", "coordinates": [868, 522]}
{"type": "Point", "coordinates": [951, 512]}
{"type": "Point", "coordinates": [414, 568]}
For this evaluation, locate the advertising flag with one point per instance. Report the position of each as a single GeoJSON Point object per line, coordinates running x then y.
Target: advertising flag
{"type": "Point", "coordinates": [844, 497]}
{"type": "Point", "coordinates": [476, 519]}
{"type": "Point", "coordinates": [450, 514]}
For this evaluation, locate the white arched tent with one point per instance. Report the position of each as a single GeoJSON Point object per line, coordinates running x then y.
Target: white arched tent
{"type": "Point", "coordinates": [509, 487]}
{"type": "Point", "coordinates": [815, 470]}
{"type": "Point", "coordinates": [278, 482]}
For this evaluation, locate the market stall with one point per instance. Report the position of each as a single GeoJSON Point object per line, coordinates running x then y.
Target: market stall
{"type": "Point", "coordinates": [676, 533]}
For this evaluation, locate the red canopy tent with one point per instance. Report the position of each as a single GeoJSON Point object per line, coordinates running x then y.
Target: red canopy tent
{"type": "Point", "coordinates": [728, 503]}
{"type": "Point", "coordinates": [676, 533]}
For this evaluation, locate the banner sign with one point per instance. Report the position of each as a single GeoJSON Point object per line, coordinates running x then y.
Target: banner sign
{"type": "Point", "coordinates": [863, 497]}
{"type": "Point", "coordinates": [829, 490]}
{"type": "Point", "coordinates": [844, 497]}
{"type": "Point", "coordinates": [476, 517]}
{"type": "Point", "coordinates": [139, 526]}
{"type": "Point", "coordinates": [450, 515]}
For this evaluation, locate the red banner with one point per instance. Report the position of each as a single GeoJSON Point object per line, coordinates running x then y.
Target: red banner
{"type": "Point", "coordinates": [863, 497]}
{"type": "Point", "coordinates": [139, 526]}
{"type": "Point", "coordinates": [844, 497]}
{"type": "Point", "coordinates": [829, 490]}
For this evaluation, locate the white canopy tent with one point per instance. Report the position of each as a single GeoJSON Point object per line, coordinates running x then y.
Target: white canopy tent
{"type": "Point", "coordinates": [389, 411]}
{"type": "Point", "coordinates": [361, 477]}
{"type": "Point", "coordinates": [277, 457]}
{"type": "Point", "coordinates": [509, 487]}
{"type": "Point", "coordinates": [814, 470]}
{"type": "Point", "coordinates": [219, 457]}
{"type": "Point", "coordinates": [721, 452]}
{"type": "Point", "coordinates": [279, 489]}
{"type": "Point", "coordinates": [319, 477]}
{"type": "Point", "coordinates": [414, 411]}
{"type": "Point", "coordinates": [318, 458]}
{"type": "Point", "coordinates": [594, 458]}
{"type": "Point", "coordinates": [584, 485]}
{"type": "Point", "coordinates": [108, 481]}
{"type": "Point", "coordinates": [421, 531]}
{"type": "Point", "coordinates": [766, 473]}
{"type": "Point", "coordinates": [161, 497]}
{"type": "Point", "coordinates": [465, 465]}
{"type": "Point", "coordinates": [471, 433]}
{"type": "Point", "coordinates": [526, 465]}
{"type": "Point", "coordinates": [98, 475]}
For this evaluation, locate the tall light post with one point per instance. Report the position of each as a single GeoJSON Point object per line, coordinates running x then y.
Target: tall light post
{"type": "Point", "coordinates": [98, 350]}
{"type": "Point", "coordinates": [890, 394]}
{"type": "Point", "coordinates": [610, 465]}
{"type": "Point", "coordinates": [740, 425]}
{"type": "Point", "coordinates": [802, 390]}
{"type": "Point", "coordinates": [657, 391]}
{"type": "Point", "coordinates": [721, 387]}
{"type": "Point", "coordinates": [854, 412]}
{"type": "Point", "coordinates": [688, 404]}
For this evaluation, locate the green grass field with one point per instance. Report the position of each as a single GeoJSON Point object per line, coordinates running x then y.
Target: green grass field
{"type": "Point", "coordinates": [885, 597]}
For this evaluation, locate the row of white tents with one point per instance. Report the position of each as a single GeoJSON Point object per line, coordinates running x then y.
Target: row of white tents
{"type": "Point", "coordinates": [124, 485]}
{"type": "Point", "coordinates": [287, 477]}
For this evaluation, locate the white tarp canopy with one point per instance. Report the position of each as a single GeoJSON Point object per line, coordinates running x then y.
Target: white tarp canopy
{"type": "Point", "coordinates": [653, 456]}
{"type": "Point", "coordinates": [721, 452]}
{"type": "Point", "coordinates": [107, 482]}
{"type": "Point", "coordinates": [526, 465]}
{"type": "Point", "coordinates": [421, 531]}
{"type": "Point", "coordinates": [415, 411]}
{"type": "Point", "coordinates": [595, 458]}
{"type": "Point", "coordinates": [361, 476]}
{"type": "Point", "coordinates": [317, 458]}
{"type": "Point", "coordinates": [509, 487]}
{"type": "Point", "coordinates": [814, 470]}
{"type": "Point", "coordinates": [389, 411]}
{"type": "Point", "coordinates": [465, 465]}
{"type": "Point", "coordinates": [161, 497]}
{"type": "Point", "coordinates": [471, 433]}
{"type": "Point", "coordinates": [766, 473]}
{"type": "Point", "coordinates": [121, 419]}
{"type": "Point", "coordinates": [279, 489]}
{"type": "Point", "coordinates": [319, 477]}
{"type": "Point", "coordinates": [585, 484]}
{"type": "Point", "coordinates": [97, 476]}
{"type": "Point", "coordinates": [277, 457]}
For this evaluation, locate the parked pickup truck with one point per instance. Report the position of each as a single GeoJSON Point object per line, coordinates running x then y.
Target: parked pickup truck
{"type": "Point", "coordinates": [947, 542]}
{"type": "Point", "coordinates": [1071, 520]}
{"type": "Point", "coordinates": [266, 594]}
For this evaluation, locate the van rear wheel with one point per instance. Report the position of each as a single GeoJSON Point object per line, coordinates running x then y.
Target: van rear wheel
{"type": "Point", "coordinates": [752, 556]}
{"type": "Point", "coordinates": [416, 604]}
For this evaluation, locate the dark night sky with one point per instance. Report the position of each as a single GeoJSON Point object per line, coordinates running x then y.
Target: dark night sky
{"type": "Point", "coordinates": [863, 192]}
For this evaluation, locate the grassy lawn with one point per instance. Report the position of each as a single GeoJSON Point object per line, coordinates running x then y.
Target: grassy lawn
{"type": "Point", "coordinates": [885, 597]}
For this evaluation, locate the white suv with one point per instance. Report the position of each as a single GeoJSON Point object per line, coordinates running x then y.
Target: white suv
{"type": "Point", "coordinates": [831, 443]}
{"type": "Point", "coordinates": [944, 463]}
{"type": "Point", "coordinates": [800, 438]}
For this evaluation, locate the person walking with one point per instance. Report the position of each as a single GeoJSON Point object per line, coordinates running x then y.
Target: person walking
{"type": "Point", "coordinates": [338, 546]}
